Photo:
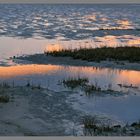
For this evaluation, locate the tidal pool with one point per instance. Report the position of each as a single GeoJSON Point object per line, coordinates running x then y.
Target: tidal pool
{"type": "Point", "coordinates": [123, 108]}
{"type": "Point", "coordinates": [52, 75]}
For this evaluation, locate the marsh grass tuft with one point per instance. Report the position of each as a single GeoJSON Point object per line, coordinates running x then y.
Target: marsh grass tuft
{"type": "Point", "coordinates": [4, 89]}
{"type": "Point", "coordinates": [28, 84]}
{"type": "Point", "coordinates": [4, 99]}
{"type": "Point", "coordinates": [136, 124]}
{"type": "Point", "coordinates": [94, 127]}
{"type": "Point", "coordinates": [89, 89]}
{"type": "Point", "coordinates": [75, 82]}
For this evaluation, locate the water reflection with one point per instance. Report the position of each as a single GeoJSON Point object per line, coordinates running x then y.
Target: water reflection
{"type": "Point", "coordinates": [53, 47]}
{"type": "Point", "coordinates": [21, 70]}
{"type": "Point", "coordinates": [91, 17]}
{"type": "Point", "coordinates": [125, 24]}
{"type": "Point", "coordinates": [109, 41]}
{"type": "Point", "coordinates": [71, 21]}
{"type": "Point", "coordinates": [55, 73]}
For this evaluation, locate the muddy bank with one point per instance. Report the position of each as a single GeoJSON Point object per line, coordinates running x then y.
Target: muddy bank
{"type": "Point", "coordinates": [43, 59]}
{"type": "Point", "coordinates": [37, 112]}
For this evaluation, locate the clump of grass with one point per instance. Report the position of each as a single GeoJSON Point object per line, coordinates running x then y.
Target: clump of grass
{"type": "Point", "coordinates": [89, 122]}
{"type": "Point", "coordinates": [75, 82]}
{"type": "Point", "coordinates": [131, 54]}
{"type": "Point", "coordinates": [89, 89]}
{"type": "Point", "coordinates": [136, 124]}
{"type": "Point", "coordinates": [89, 125]}
{"type": "Point", "coordinates": [4, 99]}
{"type": "Point", "coordinates": [93, 127]}
{"type": "Point", "coordinates": [28, 84]}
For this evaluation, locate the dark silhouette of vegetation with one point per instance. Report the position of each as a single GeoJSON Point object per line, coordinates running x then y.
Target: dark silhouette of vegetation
{"type": "Point", "coordinates": [128, 86]}
{"type": "Point", "coordinates": [4, 99]}
{"type": "Point", "coordinates": [131, 54]}
{"type": "Point", "coordinates": [116, 28]}
{"type": "Point", "coordinates": [136, 124]}
{"type": "Point", "coordinates": [89, 89]}
{"type": "Point", "coordinates": [75, 82]}
{"type": "Point", "coordinates": [95, 127]}
{"type": "Point", "coordinates": [28, 84]}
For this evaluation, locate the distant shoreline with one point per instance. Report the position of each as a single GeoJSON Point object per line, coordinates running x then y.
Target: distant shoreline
{"type": "Point", "coordinates": [130, 54]}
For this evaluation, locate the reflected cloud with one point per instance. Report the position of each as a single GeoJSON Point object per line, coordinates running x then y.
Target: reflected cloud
{"type": "Point", "coordinates": [130, 77]}
{"type": "Point", "coordinates": [46, 22]}
{"type": "Point", "coordinates": [125, 24]}
{"type": "Point", "coordinates": [20, 70]}
{"type": "Point", "coordinates": [90, 17]}
{"type": "Point", "coordinates": [109, 41]}
{"type": "Point", "coordinates": [53, 47]}
{"type": "Point", "coordinates": [104, 19]}
{"type": "Point", "coordinates": [115, 41]}
{"type": "Point", "coordinates": [103, 76]}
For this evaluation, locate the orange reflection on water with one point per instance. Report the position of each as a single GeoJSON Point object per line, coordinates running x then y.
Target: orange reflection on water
{"type": "Point", "coordinates": [109, 75]}
{"type": "Point", "coordinates": [117, 76]}
{"type": "Point", "coordinates": [20, 70]}
{"type": "Point", "coordinates": [125, 24]}
{"type": "Point", "coordinates": [131, 77]}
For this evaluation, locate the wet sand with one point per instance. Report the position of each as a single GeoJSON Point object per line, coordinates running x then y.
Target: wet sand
{"type": "Point", "coordinates": [43, 59]}
{"type": "Point", "coordinates": [38, 112]}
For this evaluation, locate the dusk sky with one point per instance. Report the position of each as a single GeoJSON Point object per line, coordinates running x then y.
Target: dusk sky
{"type": "Point", "coordinates": [71, 1]}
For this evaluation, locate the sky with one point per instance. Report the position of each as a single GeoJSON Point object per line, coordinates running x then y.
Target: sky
{"type": "Point", "coordinates": [70, 1]}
